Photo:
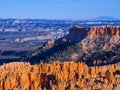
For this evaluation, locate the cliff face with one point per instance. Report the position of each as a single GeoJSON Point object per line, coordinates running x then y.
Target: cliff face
{"type": "Point", "coordinates": [59, 76]}
{"type": "Point", "coordinates": [87, 44]}
{"type": "Point", "coordinates": [96, 38]}
{"type": "Point", "coordinates": [105, 30]}
{"type": "Point", "coordinates": [100, 30]}
{"type": "Point", "coordinates": [77, 33]}
{"type": "Point", "coordinates": [84, 44]}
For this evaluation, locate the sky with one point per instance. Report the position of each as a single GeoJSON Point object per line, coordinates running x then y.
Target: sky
{"type": "Point", "coordinates": [59, 9]}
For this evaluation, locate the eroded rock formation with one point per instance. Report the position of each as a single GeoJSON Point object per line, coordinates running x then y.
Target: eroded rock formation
{"type": "Point", "coordinates": [59, 76]}
{"type": "Point", "coordinates": [98, 30]}
{"type": "Point", "coordinates": [96, 38]}
{"type": "Point", "coordinates": [94, 46]}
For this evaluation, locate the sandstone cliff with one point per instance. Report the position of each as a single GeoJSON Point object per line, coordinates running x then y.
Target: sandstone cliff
{"type": "Point", "coordinates": [91, 44]}
{"type": "Point", "coordinates": [96, 51]}
{"type": "Point", "coordinates": [96, 38]}
{"type": "Point", "coordinates": [59, 76]}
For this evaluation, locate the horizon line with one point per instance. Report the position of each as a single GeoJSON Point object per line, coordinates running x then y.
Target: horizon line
{"type": "Point", "coordinates": [92, 19]}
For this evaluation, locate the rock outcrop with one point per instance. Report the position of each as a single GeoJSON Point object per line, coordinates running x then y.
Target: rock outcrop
{"type": "Point", "coordinates": [82, 44]}
{"type": "Point", "coordinates": [105, 30]}
{"type": "Point", "coordinates": [71, 75]}
{"type": "Point", "coordinates": [59, 76]}
{"type": "Point", "coordinates": [95, 38]}
{"type": "Point", "coordinates": [98, 30]}
{"type": "Point", "coordinates": [77, 33]}
{"type": "Point", "coordinates": [50, 43]}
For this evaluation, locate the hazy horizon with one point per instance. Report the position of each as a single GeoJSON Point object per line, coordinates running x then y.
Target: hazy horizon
{"type": "Point", "coordinates": [59, 9]}
{"type": "Point", "coordinates": [61, 19]}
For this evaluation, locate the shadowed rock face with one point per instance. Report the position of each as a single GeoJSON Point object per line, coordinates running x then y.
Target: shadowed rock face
{"type": "Point", "coordinates": [103, 30]}
{"type": "Point", "coordinates": [78, 30]}
{"type": "Point", "coordinates": [95, 38]}
{"type": "Point", "coordinates": [88, 44]}
{"type": "Point", "coordinates": [77, 33]}
{"type": "Point", "coordinates": [69, 75]}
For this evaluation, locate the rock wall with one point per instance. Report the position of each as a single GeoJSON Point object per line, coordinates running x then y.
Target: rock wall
{"type": "Point", "coordinates": [96, 38]}
{"type": "Point", "coordinates": [101, 30]}
{"type": "Point", "coordinates": [59, 76]}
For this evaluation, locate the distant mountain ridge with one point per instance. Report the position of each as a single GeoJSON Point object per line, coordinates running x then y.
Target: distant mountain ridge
{"type": "Point", "coordinates": [105, 18]}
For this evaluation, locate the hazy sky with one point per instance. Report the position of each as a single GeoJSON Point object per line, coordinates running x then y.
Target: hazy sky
{"type": "Point", "coordinates": [59, 9]}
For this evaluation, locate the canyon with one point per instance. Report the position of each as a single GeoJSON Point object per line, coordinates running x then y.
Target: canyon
{"type": "Point", "coordinates": [85, 59]}
{"type": "Point", "coordinates": [89, 44]}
